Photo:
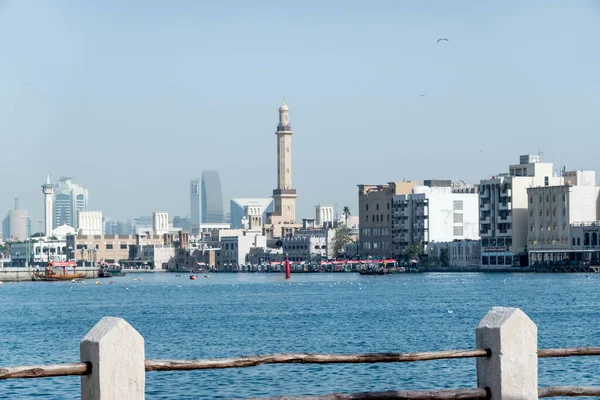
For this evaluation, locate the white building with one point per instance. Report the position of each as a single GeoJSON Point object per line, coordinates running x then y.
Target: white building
{"type": "Point", "coordinates": [157, 255]}
{"type": "Point", "coordinates": [160, 223]}
{"type": "Point", "coordinates": [39, 252]}
{"type": "Point", "coordinates": [239, 207]}
{"type": "Point", "coordinates": [309, 245]}
{"type": "Point", "coordinates": [16, 224]}
{"type": "Point", "coordinates": [69, 198]}
{"type": "Point", "coordinates": [324, 216]}
{"type": "Point", "coordinates": [460, 253]}
{"type": "Point", "coordinates": [236, 248]}
{"type": "Point", "coordinates": [89, 223]}
{"type": "Point", "coordinates": [503, 207]}
{"type": "Point", "coordinates": [435, 212]}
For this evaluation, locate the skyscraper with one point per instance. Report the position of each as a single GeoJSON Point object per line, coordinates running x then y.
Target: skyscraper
{"type": "Point", "coordinates": [212, 198]}
{"type": "Point", "coordinates": [195, 206]}
{"type": "Point", "coordinates": [68, 199]}
{"type": "Point", "coordinates": [16, 223]}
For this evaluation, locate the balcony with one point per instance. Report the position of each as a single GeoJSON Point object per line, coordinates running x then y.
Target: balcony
{"type": "Point", "coordinates": [503, 232]}
{"type": "Point", "coordinates": [505, 219]}
{"type": "Point", "coordinates": [505, 205]}
{"type": "Point", "coordinates": [485, 233]}
{"type": "Point", "coordinates": [484, 195]}
{"type": "Point", "coordinates": [484, 207]}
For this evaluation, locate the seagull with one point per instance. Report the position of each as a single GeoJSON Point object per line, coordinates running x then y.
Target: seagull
{"type": "Point", "coordinates": [423, 95]}
{"type": "Point", "coordinates": [450, 311]}
{"type": "Point", "coordinates": [440, 39]}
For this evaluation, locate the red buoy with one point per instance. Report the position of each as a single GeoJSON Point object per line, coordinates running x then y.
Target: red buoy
{"type": "Point", "coordinates": [288, 269]}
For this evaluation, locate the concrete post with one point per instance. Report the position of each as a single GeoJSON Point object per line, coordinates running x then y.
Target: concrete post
{"type": "Point", "coordinates": [511, 372]}
{"type": "Point", "coordinates": [116, 351]}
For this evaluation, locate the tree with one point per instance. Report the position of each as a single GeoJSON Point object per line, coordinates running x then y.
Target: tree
{"type": "Point", "coordinates": [444, 258]}
{"type": "Point", "coordinates": [413, 250]}
{"type": "Point", "coordinates": [343, 236]}
{"type": "Point", "coordinates": [346, 214]}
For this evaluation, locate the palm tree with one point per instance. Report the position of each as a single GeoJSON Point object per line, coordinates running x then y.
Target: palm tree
{"type": "Point", "coordinates": [346, 214]}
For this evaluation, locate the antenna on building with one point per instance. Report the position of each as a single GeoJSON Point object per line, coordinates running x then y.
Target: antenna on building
{"type": "Point", "coordinates": [16, 203]}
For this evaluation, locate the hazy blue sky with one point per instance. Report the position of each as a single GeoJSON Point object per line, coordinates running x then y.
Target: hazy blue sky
{"type": "Point", "coordinates": [134, 98]}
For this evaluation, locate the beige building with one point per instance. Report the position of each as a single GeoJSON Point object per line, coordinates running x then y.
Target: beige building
{"type": "Point", "coordinates": [375, 217]}
{"type": "Point", "coordinates": [553, 209]}
{"type": "Point", "coordinates": [282, 221]}
{"type": "Point", "coordinates": [110, 248]}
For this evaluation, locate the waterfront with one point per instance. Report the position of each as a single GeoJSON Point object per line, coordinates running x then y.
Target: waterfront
{"type": "Point", "coordinates": [243, 314]}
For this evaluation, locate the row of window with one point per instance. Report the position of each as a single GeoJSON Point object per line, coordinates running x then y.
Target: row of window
{"type": "Point", "coordinates": [376, 218]}
{"type": "Point", "coordinates": [108, 246]}
{"type": "Point", "coordinates": [375, 231]}
{"type": "Point", "coordinates": [564, 198]}
{"type": "Point", "coordinates": [375, 245]}
{"type": "Point", "coordinates": [376, 207]}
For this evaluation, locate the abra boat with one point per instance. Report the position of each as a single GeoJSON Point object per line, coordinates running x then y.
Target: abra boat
{"type": "Point", "coordinates": [51, 275]}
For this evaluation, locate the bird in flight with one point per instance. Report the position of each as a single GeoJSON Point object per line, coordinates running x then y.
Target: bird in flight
{"type": "Point", "coordinates": [423, 95]}
{"type": "Point", "coordinates": [440, 39]}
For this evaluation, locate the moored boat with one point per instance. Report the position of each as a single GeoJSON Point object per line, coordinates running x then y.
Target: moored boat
{"type": "Point", "coordinates": [50, 274]}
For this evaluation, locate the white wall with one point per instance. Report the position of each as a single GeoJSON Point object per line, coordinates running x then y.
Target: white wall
{"type": "Point", "coordinates": [160, 223]}
{"type": "Point", "coordinates": [89, 223]}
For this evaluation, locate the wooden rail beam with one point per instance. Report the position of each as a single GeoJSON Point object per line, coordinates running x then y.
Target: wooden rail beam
{"type": "Point", "coordinates": [449, 394]}
{"type": "Point", "coordinates": [568, 391]}
{"type": "Point", "coordinates": [45, 371]}
{"type": "Point", "coordinates": [251, 361]}
{"type": "Point", "coordinates": [569, 352]}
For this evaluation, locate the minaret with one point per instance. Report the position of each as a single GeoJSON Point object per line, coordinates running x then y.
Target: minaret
{"type": "Point", "coordinates": [284, 196]}
{"type": "Point", "coordinates": [48, 190]}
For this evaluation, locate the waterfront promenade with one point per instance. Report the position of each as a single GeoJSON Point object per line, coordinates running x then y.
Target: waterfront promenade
{"type": "Point", "coordinates": [229, 315]}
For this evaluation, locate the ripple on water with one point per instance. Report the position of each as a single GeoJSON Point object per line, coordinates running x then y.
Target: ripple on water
{"type": "Point", "coordinates": [233, 315]}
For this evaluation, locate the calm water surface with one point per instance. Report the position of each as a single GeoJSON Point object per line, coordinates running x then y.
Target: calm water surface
{"type": "Point", "coordinates": [244, 314]}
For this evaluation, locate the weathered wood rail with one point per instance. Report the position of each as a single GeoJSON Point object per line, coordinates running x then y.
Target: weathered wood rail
{"type": "Point", "coordinates": [113, 364]}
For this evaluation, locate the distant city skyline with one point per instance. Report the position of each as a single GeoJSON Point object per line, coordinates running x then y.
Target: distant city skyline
{"type": "Point", "coordinates": [134, 101]}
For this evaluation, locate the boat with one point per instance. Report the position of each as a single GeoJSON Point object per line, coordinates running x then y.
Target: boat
{"type": "Point", "coordinates": [193, 277]}
{"type": "Point", "coordinates": [50, 275]}
{"type": "Point", "coordinates": [111, 270]}
{"type": "Point", "coordinates": [104, 273]}
{"type": "Point", "coordinates": [373, 272]}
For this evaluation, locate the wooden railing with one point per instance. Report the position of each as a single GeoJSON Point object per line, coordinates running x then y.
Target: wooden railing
{"type": "Point", "coordinates": [506, 364]}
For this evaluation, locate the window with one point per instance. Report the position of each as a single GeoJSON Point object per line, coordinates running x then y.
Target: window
{"type": "Point", "coordinates": [109, 247]}
{"type": "Point", "coordinates": [573, 241]}
{"type": "Point", "coordinates": [531, 200]}
{"type": "Point", "coordinates": [458, 205]}
{"type": "Point", "coordinates": [123, 247]}
{"type": "Point", "coordinates": [366, 207]}
{"type": "Point", "coordinates": [377, 206]}
{"type": "Point", "coordinates": [458, 218]}
{"type": "Point", "coordinates": [458, 230]}
{"type": "Point", "coordinates": [388, 205]}
{"type": "Point", "coordinates": [546, 183]}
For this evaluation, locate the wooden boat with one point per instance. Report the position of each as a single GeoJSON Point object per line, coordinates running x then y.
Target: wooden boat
{"type": "Point", "coordinates": [49, 275]}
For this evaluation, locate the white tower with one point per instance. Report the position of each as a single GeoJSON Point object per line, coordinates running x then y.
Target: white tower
{"type": "Point", "coordinates": [284, 196]}
{"type": "Point", "coordinates": [48, 190]}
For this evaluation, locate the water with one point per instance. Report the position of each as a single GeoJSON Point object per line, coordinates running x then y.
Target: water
{"type": "Point", "coordinates": [246, 314]}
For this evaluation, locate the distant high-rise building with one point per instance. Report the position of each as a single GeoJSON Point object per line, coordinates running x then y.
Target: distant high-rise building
{"type": "Point", "coordinates": [69, 198]}
{"type": "Point", "coordinates": [183, 223]}
{"type": "Point", "coordinates": [16, 223]}
{"type": "Point", "coordinates": [238, 211]}
{"type": "Point", "coordinates": [194, 207]}
{"type": "Point", "coordinates": [112, 227]}
{"type": "Point", "coordinates": [212, 198]}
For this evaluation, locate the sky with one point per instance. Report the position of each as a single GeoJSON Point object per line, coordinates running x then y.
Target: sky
{"type": "Point", "coordinates": [135, 98]}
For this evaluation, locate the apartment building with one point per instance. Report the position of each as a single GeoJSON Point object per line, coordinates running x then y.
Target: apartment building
{"type": "Point", "coordinates": [438, 211]}
{"type": "Point", "coordinates": [375, 217]}
{"type": "Point", "coordinates": [503, 210]}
